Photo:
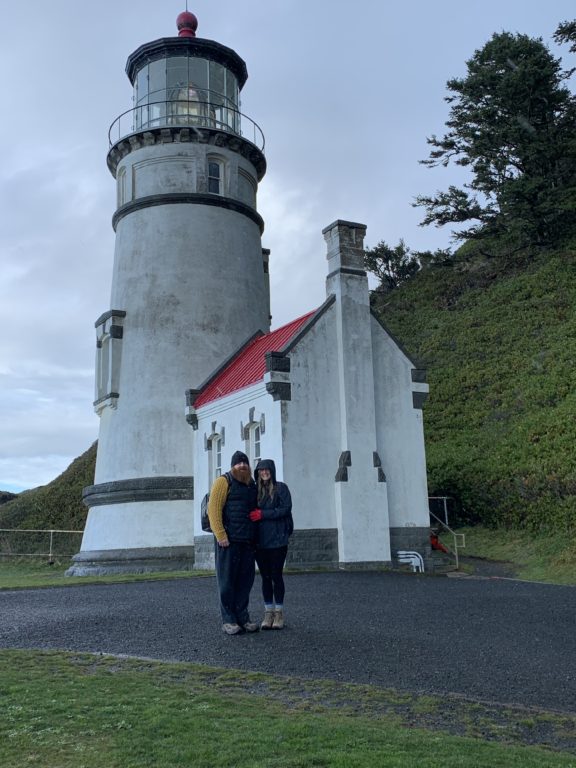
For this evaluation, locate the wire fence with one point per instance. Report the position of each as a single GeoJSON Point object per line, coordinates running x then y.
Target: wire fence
{"type": "Point", "coordinates": [55, 544]}
{"type": "Point", "coordinates": [50, 544]}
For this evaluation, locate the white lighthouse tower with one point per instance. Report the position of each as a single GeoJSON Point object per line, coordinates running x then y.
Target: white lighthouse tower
{"type": "Point", "coordinates": [189, 286]}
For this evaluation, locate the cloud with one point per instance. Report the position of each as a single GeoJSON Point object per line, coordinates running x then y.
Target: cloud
{"type": "Point", "coordinates": [297, 259]}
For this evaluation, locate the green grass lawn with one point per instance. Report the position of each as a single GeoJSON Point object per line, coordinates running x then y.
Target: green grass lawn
{"type": "Point", "coordinates": [549, 558]}
{"type": "Point", "coordinates": [37, 572]}
{"type": "Point", "coordinates": [80, 711]}
{"type": "Point", "coordinates": [536, 557]}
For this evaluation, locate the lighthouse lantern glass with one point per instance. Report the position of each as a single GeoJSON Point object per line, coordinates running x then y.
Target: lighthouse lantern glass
{"type": "Point", "coordinates": [186, 90]}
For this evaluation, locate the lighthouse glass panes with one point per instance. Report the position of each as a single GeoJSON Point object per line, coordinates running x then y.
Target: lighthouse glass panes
{"type": "Point", "coordinates": [186, 90]}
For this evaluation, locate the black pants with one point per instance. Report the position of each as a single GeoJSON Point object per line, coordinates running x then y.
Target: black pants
{"type": "Point", "coordinates": [235, 575]}
{"type": "Point", "coordinates": [271, 564]}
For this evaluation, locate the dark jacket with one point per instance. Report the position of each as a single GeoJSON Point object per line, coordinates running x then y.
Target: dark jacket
{"type": "Point", "coordinates": [240, 502]}
{"type": "Point", "coordinates": [276, 525]}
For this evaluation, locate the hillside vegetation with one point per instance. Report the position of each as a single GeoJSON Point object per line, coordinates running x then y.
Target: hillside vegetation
{"type": "Point", "coordinates": [498, 338]}
{"type": "Point", "coordinates": [57, 505]}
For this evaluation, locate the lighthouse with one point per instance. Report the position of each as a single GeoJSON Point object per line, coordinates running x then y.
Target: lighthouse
{"type": "Point", "coordinates": [189, 288]}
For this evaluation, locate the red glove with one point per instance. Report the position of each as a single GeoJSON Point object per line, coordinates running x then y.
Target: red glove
{"type": "Point", "coordinates": [255, 515]}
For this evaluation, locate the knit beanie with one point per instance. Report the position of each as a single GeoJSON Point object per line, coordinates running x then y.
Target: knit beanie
{"type": "Point", "coordinates": [238, 457]}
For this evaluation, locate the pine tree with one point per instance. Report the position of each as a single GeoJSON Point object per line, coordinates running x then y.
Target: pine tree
{"type": "Point", "coordinates": [512, 124]}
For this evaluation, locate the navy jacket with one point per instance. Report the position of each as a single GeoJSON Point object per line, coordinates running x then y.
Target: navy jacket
{"type": "Point", "coordinates": [240, 502]}
{"type": "Point", "coordinates": [276, 525]}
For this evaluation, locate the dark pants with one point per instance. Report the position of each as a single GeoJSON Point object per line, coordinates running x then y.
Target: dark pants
{"type": "Point", "coordinates": [235, 576]}
{"type": "Point", "coordinates": [271, 564]}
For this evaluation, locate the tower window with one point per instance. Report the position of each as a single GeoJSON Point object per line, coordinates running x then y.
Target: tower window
{"type": "Point", "coordinates": [215, 177]}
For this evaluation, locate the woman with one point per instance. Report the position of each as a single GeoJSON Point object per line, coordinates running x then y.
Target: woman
{"type": "Point", "coordinates": [274, 515]}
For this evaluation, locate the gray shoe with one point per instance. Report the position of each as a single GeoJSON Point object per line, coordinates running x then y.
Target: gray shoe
{"type": "Point", "coordinates": [251, 626]}
{"type": "Point", "coordinates": [231, 629]}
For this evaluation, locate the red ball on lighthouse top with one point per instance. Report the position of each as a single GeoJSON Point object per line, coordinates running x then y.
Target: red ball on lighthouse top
{"type": "Point", "coordinates": [187, 24]}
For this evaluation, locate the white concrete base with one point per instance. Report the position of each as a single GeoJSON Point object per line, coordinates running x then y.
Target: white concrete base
{"type": "Point", "coordinates": [139, 525]}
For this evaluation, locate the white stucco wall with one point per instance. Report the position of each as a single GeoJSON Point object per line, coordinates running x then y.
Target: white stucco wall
{"type": "Point", "coordinates": [311, 429]}
{"type": "Point", "coordinates": [230, 414]}
{"type": "Point", "coordinates": [399, 432]}
{"type": "Point", "coordinates": [180, 167]}
{"type": "Point", "coordinates": [140, 525]}
{"type": "Point", "coordinates": [191, 282]}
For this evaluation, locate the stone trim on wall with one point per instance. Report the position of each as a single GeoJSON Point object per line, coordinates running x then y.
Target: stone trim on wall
{"type": "Point", "coordinates": [277, 361]}
{"type": "Point", "coordinates": [419, 375]}
{"type": "Point", "coordinates": [378, 465]}
{"type": "Point", "coordinates": [145, 560]}
{"type": "Point", "coordinates": [418, 399]}
{"type": "Point", "coordinates": [139, 489]}
{"type": "Point", "coordinates": [344, 461]}
{"type": "Point", "coordinates": [187, 198]}
{"type": "Point", "coordinates": [411, 538]}
{"type": "Point", "coordinates": [168, 134]}
{"type": "Point", "coordinates": [204, 557]}
{"type": "Point", "coordinates": [107, 315]}
{"type": "Point", "coordinates": [312, 548]}
{"type": "Point", "coordinates": [346, 271]}
{"type": "Point", "coordinates": [187, 46]}
{"type": "Point", "coordinates": [110, 398]}
{"type": "Point", "coordinates": [280, 390]}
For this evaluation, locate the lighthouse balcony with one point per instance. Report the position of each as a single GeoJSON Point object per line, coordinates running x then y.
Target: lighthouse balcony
{"type": "Point", "coordinates": [181, 113]}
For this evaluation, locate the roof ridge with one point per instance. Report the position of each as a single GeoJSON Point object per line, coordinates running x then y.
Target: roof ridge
{"type": "Point", "coordinates": [248, 365]}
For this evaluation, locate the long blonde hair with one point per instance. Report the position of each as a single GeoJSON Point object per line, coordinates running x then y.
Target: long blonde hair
{"type": "Point", "coordinates": [265, 489]}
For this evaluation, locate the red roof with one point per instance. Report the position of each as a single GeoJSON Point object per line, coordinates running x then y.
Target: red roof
{"type": "Point", "coordinates": [249, 365]}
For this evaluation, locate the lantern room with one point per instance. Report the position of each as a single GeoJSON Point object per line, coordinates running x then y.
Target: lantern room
{"type": "Point", "coordinates": [186, 81]}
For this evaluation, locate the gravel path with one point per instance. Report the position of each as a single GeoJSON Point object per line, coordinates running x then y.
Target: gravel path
{"type": "Point", "coordinates": [495, 640]}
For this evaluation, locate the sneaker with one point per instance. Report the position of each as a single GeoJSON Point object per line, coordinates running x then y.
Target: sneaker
{"type": "Point", "coordinates": [231, 629]}
{"type": "Point", "coordinates": [278, 622]}
{"type": "Point", "coordinates": [251, 626]}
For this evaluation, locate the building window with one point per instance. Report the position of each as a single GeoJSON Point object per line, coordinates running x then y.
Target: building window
{"type": "Point", "coordinates": [252, 444]}
{"type": "Point", "coordinates": [252, 435]}
{"type": "Point", "coordinates": [215, 177]}
{"type": "Point", "coordinates": [256, 440]}
{"type": "Point", "coordinates": [214, 458]}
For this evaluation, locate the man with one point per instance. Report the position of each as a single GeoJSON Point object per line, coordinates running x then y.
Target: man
{"type": "Point", "coordinates": [232, 498]}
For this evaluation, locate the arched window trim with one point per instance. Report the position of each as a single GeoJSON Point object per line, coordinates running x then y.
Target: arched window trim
{"type": "Point", "coordinates": [213, 444]}
{"type": "Point", "coordinates": [251, 433]}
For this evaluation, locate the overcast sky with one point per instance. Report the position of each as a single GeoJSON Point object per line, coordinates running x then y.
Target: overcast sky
{"type": "Point", "coordinates": [346, 94]}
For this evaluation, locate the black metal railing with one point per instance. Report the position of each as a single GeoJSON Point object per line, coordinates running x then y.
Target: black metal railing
{"type": "Point", "coordinates": [185, 113]}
